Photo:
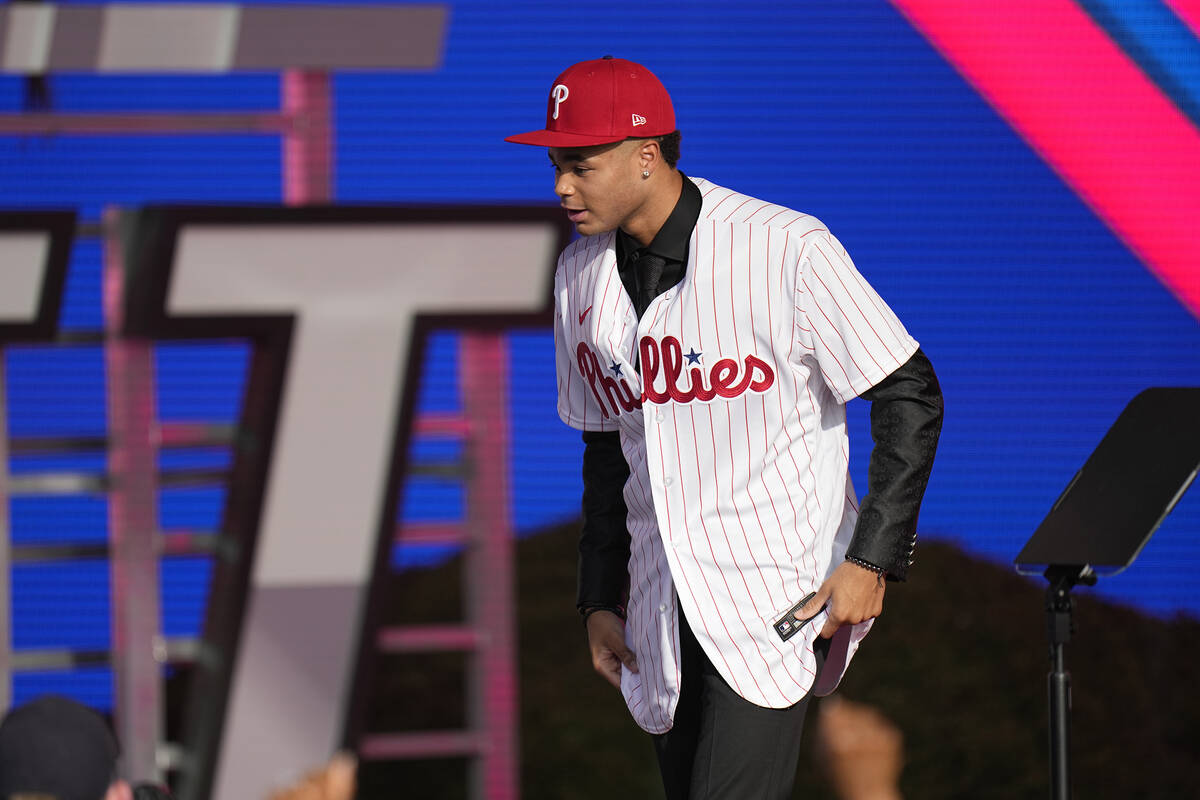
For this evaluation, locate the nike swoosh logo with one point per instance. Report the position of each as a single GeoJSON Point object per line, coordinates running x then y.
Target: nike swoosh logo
{"type": "Point", "coordinates": [583, 316]}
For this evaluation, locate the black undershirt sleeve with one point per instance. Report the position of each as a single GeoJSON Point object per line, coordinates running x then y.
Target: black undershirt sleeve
{"type": "Point", "coordinates": [906, 420]}
{"type": "Point", "coordinates": [604, 539]}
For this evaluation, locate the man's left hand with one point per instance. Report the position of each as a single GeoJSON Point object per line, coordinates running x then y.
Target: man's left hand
{"type": "Point", "coordinates": [854, 595]}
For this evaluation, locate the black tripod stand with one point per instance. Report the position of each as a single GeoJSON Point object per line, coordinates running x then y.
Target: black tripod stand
{"type": "Point", "coordinates": [1059, 626]}
{"type": "Point", "coordinates": [1104, 517]}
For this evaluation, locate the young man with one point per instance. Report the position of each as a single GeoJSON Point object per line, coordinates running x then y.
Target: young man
{"type": "Point", "coordinates": [706, 344]}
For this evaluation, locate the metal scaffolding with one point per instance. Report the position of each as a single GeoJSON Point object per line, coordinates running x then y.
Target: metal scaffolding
{"type": "Point", "coordinates": [132, 479]}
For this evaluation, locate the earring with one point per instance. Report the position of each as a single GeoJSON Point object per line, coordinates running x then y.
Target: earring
{"type": "Point", "coordinates": [645, 173]}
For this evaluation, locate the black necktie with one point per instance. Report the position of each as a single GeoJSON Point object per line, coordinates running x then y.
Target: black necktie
{"type": "Point", "coordinates": [648, 269]}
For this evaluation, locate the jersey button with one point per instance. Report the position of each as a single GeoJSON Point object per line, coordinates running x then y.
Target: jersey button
{"type": "Point", "coordinates": [667, 481]}
{"type": "Point", "coordinates": [658, 416]}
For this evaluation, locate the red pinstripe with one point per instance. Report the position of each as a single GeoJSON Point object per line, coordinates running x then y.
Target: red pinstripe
{"type": "Point", "coordinates": [894, 327]}
{"type": "Point", "coordinates": [853, 299]}
{"type": "Point", "coordinates": [748, 269]}
{"type": "Point", "coordinates": [816, 498]}
{"type": "Point", "coordinates": [712, 598]}
{"type": "Point", "coordinates": [806, 233]}
{"type": "Point", "coordinates": [768, 446]}
{"type": "Point", "coordinates": [619, 332]}
{"type": "Point", "coordinates": [733, 271]}
{"type": "Point", "coordinates": [849, 324]}
{"type": "Point", "coordinates": [768, 220]}
{"type": "Point", "coordinates": [739, 208]}
{"type": "Point", "coordinates": [821, 339]}
{"type": "Point", "coordinates": [645, 503]}
{"type": "Point", "coordinates": [746, 425]}
{"type": "Point", "coordinates": [764, 207]}
{"type": "Point", "coordinates": [763, 399]}
{"type": "Point", "coordinates": [728, 194]}
{"type": "Point", "coordinates": [783, 417]}
{"type": "Point", "coordinates": [803, 431]}
{"type": "Point", "coordinates": [811, 348]}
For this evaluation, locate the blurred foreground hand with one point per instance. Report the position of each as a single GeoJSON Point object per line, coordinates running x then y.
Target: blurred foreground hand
{"type": "Point", "coordinates": [861, 750]}
{"type": "Point", "coordinates": [334, 781]}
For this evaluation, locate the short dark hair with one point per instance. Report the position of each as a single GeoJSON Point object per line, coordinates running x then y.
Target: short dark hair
{"type": "Point", "coordinates": [668, 145]}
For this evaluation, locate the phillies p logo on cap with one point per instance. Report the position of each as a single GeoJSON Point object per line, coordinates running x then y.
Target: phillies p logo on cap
{"type": "Point", "coordinates": [601, 101]}
{"type": "Point", "coordinates": [558, 94]}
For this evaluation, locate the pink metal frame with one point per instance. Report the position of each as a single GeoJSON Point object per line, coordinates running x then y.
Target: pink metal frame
{"type": "Point", "coordinates": [489, 634]}
{"type": "Point", "coordinates": [133, 525]}
{"type": "Point", "coordinates": [489, 631]}
{"type": "Point", "coordinates": [308, 142]}
{"type": "Point", "coordinates": [490, 569]}
{"type": "Point", "coordinates": [306, 126]}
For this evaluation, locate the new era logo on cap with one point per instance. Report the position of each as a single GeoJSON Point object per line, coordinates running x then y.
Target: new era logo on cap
{"type": "Point", "coordinates": [600, 101]}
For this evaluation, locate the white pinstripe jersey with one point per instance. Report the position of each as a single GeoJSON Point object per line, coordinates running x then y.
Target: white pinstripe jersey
{"type": "Point", "coordinates": [739, 496]}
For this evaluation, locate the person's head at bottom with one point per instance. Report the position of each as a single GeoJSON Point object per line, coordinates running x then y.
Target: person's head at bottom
{"type": "Point", "coordinates": [54, 748]}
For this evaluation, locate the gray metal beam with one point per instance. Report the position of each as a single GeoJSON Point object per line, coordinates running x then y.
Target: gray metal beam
{"type": "Point", "coordinates": [218, 37]}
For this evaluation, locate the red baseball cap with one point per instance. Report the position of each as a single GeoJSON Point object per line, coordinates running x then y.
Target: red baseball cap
{"type": "Point", "coordinates": [602, 101]}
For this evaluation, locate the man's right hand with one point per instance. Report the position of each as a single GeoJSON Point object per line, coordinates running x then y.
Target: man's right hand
{"type": "Point", "coordinates": [606, 638]}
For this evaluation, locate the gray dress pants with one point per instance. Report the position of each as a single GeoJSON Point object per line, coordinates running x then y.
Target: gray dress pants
{"type": "Point", "coordinates": [723, 747]}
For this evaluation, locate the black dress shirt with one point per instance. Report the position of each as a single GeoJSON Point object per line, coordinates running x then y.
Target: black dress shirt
{"type": "Point", "coordinates": [670, 243]}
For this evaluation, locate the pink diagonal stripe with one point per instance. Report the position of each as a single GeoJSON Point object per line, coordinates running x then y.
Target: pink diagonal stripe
{"type": "Point", "coordinates": [1090, 113]}
{"type": "Point", "coordinates": [1188, 11]}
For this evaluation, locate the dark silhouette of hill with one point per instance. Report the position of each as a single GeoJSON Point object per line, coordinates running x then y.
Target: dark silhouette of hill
{"type": "Point", "coordinates": [958, 661]}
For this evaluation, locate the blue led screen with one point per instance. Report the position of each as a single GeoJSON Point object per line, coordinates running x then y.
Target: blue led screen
{"type": "Point", "coordinates": [1040, 322]}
